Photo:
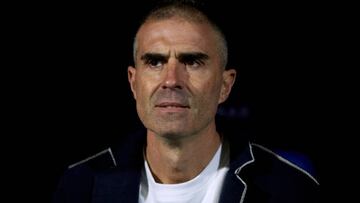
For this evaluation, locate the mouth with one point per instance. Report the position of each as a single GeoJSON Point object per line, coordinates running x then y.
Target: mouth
{"type": "Point", "coordinates": [171, 105]}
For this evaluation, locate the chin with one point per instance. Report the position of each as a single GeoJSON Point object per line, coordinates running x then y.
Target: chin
{"type": "Point", "coordinates": [172, 133]}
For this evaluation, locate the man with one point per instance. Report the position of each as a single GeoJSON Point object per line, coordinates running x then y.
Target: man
{"type": "Point", "coordinates": [178, 81]}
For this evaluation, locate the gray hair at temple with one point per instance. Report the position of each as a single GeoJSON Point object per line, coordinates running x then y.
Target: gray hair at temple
{"type": "Point", "coordinates": [189, 13]}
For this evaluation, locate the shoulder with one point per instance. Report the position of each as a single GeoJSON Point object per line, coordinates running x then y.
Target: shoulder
{"type": "Point", "coordinates": [121, 153]}
{"type": "Point", "coordinates": [102, 159]}
{"type": "Point", "coordinates": [91, 165]}
{"type": "Point", "coordinates": [76, 183]}
{"type": "Point", "coordinates": [279, 178]}
{"type": "Point", "coordinates": [263, 154]}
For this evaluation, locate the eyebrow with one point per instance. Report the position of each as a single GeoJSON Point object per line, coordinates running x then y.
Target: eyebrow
{"type": "Point", "coordinates": [187, 56]}
{"type": "Point", "coordinates": [192, 56]}
{"type": "Point", "coordinates": [154, 56]}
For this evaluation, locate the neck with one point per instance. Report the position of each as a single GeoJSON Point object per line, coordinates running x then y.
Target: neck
{"type": "Point", "coordinates": [181, 160]}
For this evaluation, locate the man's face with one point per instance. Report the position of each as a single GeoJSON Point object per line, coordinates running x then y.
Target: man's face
{"type": "Point", "coordinates": [178, 81]}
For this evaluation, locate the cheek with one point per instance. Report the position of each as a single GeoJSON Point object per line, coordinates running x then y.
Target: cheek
{"type": "Point", "coordinates": [207, 93]}
{"type": "Point", "coordinates": [141, 92]}
{"type": "Point", "coordinates": [210, 87]}
{"type": "Point", "coordinates": [144, 90]}
{"type": "Point", "coordinates": [142, 102]}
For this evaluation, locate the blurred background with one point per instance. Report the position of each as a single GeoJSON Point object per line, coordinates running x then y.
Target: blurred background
{"type": "Point", "coordinates": [73, 100]}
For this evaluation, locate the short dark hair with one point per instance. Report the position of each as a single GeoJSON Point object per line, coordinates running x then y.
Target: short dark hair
{"type": "Point", "coordinates": [189, 11]}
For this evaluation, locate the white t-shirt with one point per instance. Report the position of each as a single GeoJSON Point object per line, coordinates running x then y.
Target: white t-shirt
{"type": "Point", "coordinates": [205, 187]}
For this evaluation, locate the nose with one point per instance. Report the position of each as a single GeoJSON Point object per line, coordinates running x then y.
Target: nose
{"type": "Point", "coordinates": [174, 75]}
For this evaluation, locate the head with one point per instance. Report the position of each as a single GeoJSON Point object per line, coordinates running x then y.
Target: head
{"type": "Point", "coordinates": [180, 74]}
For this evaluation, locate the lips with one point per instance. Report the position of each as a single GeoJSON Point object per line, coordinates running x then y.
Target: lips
{"type": "Point", "coordinates": [171, 104]}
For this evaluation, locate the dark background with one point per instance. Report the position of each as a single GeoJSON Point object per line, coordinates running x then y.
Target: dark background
{"type": "Point", "coordinates": [72, 97]}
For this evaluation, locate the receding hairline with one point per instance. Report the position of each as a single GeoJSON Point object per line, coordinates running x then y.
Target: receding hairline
{"type": "Point", "coordinates": [183, 11]}
{"type": "Point", "coordinates": [188, 14]}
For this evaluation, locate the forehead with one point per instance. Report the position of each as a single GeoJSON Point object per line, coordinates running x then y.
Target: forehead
{"type": "Point", "coordinates": [176, 33]}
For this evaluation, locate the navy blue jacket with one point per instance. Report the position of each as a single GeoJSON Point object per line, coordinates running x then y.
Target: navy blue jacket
{"type": "Point", "coordinates": [256, 175]}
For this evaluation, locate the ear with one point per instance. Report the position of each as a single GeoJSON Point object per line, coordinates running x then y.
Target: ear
{"type": "Point", "coordinates": [131, 78]}
{"type": "Point", "coordinates": [228, 82]}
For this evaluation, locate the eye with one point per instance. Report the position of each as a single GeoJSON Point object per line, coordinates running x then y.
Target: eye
{"type": "Point", "coordinates": [193, 63]}
{"type": "Point", "coordinates": [154, 63]}
{"type": "Point", "coordinates": [193, 60]}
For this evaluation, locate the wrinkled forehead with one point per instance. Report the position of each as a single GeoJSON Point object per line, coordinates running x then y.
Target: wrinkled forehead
{"type": "Point", "coordinates": [175, 31]}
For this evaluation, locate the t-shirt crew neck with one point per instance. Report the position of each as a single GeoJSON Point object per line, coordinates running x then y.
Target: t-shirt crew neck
{"type": "Point", "coordinates": [205, 187]}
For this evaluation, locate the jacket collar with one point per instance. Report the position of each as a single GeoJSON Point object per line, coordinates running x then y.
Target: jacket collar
{"type": "Point", "coordinates": [121, 183]}
{"type": "Point", "coordinates": [234, 187]}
